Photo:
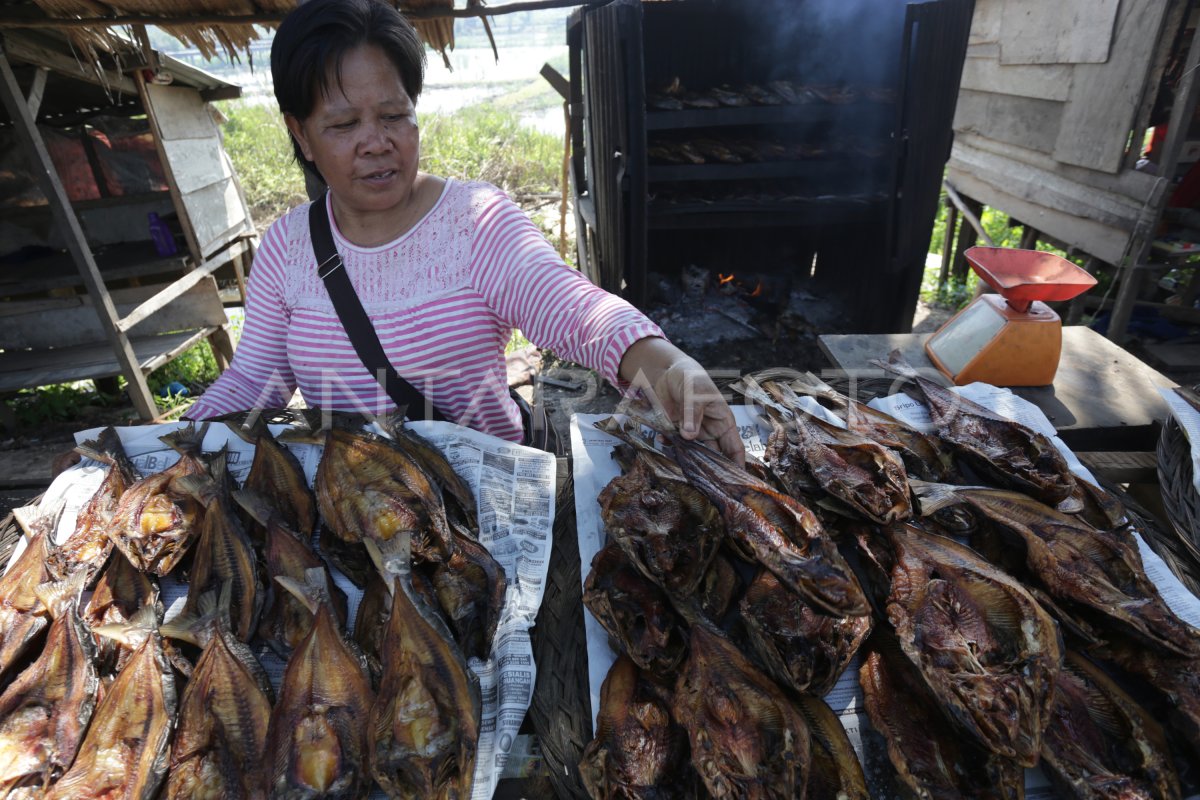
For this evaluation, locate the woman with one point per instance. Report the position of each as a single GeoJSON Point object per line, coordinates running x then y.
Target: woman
{"type": "Point", "coordinates": [445, 269]}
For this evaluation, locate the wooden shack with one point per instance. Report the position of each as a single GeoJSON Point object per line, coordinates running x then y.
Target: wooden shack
{"type": "Point", "coordinates": [1055, 102]}
{"type": "Point", "coordinates": [93, 147]}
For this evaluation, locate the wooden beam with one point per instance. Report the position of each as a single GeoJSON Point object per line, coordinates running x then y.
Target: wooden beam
{"type": "Point", "coordinates": [555, 79]}
{"type": "Point", "coordinates": [34, 98]}
{"type": "Point", "coordinates": [968, 215]}
{"type": "Point", "coordinates": [19, 50]}
{"type": "Point", "coordinates": [64, 216]}
{"type": "Point", "coordinates": [273, 18]}
{"type": "Point", "coordinates": [173, 290]}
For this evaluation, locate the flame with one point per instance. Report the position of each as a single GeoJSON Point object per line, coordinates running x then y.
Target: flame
{"type": "Point", "coordinates": [723, 279]}
{"type": "Point", "coordinates": [757, 289]}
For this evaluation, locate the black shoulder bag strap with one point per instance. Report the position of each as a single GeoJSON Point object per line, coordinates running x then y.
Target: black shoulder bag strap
{"type": "Point", "coordinates": [355, 320]}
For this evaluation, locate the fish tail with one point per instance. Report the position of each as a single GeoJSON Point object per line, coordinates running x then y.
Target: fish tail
{"type": "Point", "coordinates": [934, 497]}
{"type": "Point", "coordinates": [896, 364]}
{"type": "Point", "coordinates": [57, 596]}
{"type": "Point", "coordinates": [255, 504]}
{"type": "Point", "coordinates": [105, 448]}
{"type": "Point", "coordinates": [187, 441]}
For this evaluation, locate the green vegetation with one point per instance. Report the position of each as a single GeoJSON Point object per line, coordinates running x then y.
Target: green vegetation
{"type": "Point", "coordinates": [260, 148]}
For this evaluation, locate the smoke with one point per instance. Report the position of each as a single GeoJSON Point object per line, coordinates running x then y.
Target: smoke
{"type": "Point", "coordinates": [833, 41]}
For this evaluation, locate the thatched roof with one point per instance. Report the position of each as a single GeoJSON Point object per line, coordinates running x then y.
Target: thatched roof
{"type": "Point", "coordinates": [216, 26]}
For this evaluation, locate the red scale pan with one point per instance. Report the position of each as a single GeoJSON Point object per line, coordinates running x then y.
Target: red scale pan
{"type": "Point", "coordinates": [1011, 338]}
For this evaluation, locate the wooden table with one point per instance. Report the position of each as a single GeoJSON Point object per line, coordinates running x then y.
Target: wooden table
{"type": "Point", "coordinates": [1102, 397]}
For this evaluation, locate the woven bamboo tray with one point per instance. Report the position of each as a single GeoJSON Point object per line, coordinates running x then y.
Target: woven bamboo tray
{"type": "Point", "coordinates": [1182, 505]}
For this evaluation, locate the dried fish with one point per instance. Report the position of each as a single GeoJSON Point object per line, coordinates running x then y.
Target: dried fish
{"type": "Point", "coordinates": [638, 752]}
{"type": "Point", "coordinates": [276, 475]}
{"type": "Point", "coordinates": [223, 719]}
{"type": "Point", "coordinates": [635, 611]}
{"type": "Point", "coordinates": [369, 488]}
{"type": "Point", "coordinates": [22, 614]}
{"type": "Point", "coordinates": [425, 723]}
{"type": "Point", "coordinates": [224, 553]}
{"type": "Point", "coordinates": [748, 740]}
{"type": "Point", "coordinates": [155, 522]}
{"type": "Point", "coordinates": [285, 620]}
{"type": "Point", "coordinates": [462, 499]}
{"type": "Point", "coordinates": [799, 647]}
{"type": "Point", "coordinates": [88, 546]}
{"type": "Point", "coordinates": [1100, 743]}
{"type": "Point", "coordinates": [835, 771]}
{"type": "Point", "coordinates": [984, 646]}
{"type": "Point", "coordinates": [850, 467]}
{"type": "Point", "coordinates": [317, 739]}
{"type": "Point", "coordinates": [1006, 451]}
{"type": "Point", "coordinates": [1077, 564]}
{"type": "Point", "coordinates": [370, 623]}
{"type": "Point", "coordinates": [45, 710]}
{"type": "Point", "coordinates": [1177, 680]}
{"type": "Point", "coordinates": [119, 594]}
{"type": "Point", "coordinates": [125, 751]}
{"type": "Point", "coordinates": [727, 96]}
{"type": "Point", "coordinates": [778, 531]}
{"type": "Point", "coordinates": [470, 587]}
{"type": "Point", "coordinates": [932, 759]}
{"type": "Point", "coordinates": [667, 528]}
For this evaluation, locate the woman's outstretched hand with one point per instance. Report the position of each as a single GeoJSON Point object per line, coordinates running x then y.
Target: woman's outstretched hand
{"type": "Point", "coordinates": [686, 392]}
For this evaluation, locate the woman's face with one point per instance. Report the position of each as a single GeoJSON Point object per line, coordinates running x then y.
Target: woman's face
{"type": "Point", "coordinates": [362, 135]}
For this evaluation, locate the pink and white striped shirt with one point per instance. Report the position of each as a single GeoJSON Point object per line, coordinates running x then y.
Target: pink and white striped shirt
{"type": "Point", "coordinates": [443, 298]}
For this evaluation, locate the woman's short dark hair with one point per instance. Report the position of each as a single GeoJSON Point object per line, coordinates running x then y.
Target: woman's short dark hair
{"type": "Point", "coordinates": [307, 53]}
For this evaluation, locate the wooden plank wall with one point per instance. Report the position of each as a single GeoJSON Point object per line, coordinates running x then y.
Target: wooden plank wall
{"type": "Point", "coordinates": [199, 168]}
{"type": "Point", "coordinates": [1049, 95]}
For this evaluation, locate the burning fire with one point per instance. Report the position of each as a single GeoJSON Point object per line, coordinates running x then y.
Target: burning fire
{"type": "Point", "coordinates": [728, 284]}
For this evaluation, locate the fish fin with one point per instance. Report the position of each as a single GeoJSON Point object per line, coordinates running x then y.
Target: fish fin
{"type": "Point", "coordinates": [933, 497]}
{"type": "Point", "coordinates": [895, 364]}
{"type": "Point", "coordinates": [997, 604]}
{"type": "Point", "coordinates": [388, 568]}
{"type": "Point", "coordinates": [255, 504]}
{"type": "Point", "coordinates": [1073, 504]}
{"type": "Point", "coordinates": [243, 431]}
{"type": "Point", "coordinates": [103, 448]}
{"type": "Point", "coordinates": [186, 441]}
{"type": "Point", "coordinates": [57, 596]}
{"type": "Point", "coordinates": [34, 521]}
{"type": "Point", "coordinates": [201, 487]}
{"type": "Point", "coordinates": [134, 632]}
{"type": "Point", "coordinates": [753, 391]}
{"type": "Point", "coordinates": [313, 592]}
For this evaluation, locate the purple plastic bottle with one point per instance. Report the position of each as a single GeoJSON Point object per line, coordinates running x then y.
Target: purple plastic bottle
{"type": "Point", "coordinates": [160, 232]}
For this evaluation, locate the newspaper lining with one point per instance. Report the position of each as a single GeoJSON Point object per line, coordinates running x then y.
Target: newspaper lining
{"type": "Point", "coordinates": [515, 489]}
{"type": "Point", "coordinates": [594, 467]}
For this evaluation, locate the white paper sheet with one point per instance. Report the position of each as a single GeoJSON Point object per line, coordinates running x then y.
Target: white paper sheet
{"type": "Point", "coordinates": [514, 487]}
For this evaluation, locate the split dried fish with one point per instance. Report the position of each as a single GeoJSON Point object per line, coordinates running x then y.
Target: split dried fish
{"type": "Point", "coordinates": [1177, 680]}
{"type": "Point", "coordinates": [778, 531]}
{"type": "Point", "coordinates": [276, 475]}
{"type": "Point", "coordinates": [639, 752]}
{"type": "Point", "coordinates": [635, 611]}
{"type": "Point", "coordinates": [984, 646]}
{"type": "Point", "coordinates": [453, 486]}
{"type": "Point", "coordinates": [667, 528]}
{"type": "Point", "coordinates": [748, 740]}
{"type": "Point", "coordinates": [1077, 564]}
{"type": "Point", "coordinates": [835, 771]}
{"type": "Point", "coordinates": [799, 647]}
{"type": "Point", "coordinates": [46, 709]}
{"type": "Point", "coordinates": [156, 522]}
{"type": "Point", "coordinates": [848, 466]}
{"type": "Point", "coordinates": [1100, 743]}
{"type": "Point", "coordinates": [368, 488]}
{"type": "Point", "coordinates": [470, 587]}
{"type": "Point", "coordinates": [317, 739]}
{"type": "Point", "coordinates": [126, 749]}
{"type": "Point", "coordinates": [285, 620]}
{"type": "Point", "coordinates": [88, 546]}
{"type": "Point", "coordinates": [119, 594]}
{"type": "Point", "coordinates": [223, 719]}
{"type": "Point", "coordinates": [424, 725]}
{"type": "Point", "coordinates": [931, 758]}
{"type": "Point", "coordinates": [370, 623]}
{"type": "Point", "coordinates": [224, 553]}
{"type": "Point", "coordinates": [22, 614]}
{"type": "Point", "coordinates": [1005, 451]}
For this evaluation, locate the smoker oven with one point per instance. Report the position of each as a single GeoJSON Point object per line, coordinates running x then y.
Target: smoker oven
{"type": "Point", "coordinates": [801, 137]}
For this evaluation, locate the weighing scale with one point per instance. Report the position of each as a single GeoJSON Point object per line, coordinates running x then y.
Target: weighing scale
{"type": "Point", "coordinates": [1012, 338]}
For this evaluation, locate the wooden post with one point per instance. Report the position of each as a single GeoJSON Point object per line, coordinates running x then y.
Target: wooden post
{"type": "Point", "coordinates": [1029, 238]}
{"type": "Point", "coordinates": [948, 243]}
{"type": "Point", "coordinates": [68, 223]}
{"type": "Point", "coordinates": [1075, 307]}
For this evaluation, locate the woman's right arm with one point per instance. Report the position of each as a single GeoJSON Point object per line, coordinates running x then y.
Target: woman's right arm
{"type": "Point", "coordinates": [260, 376]}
